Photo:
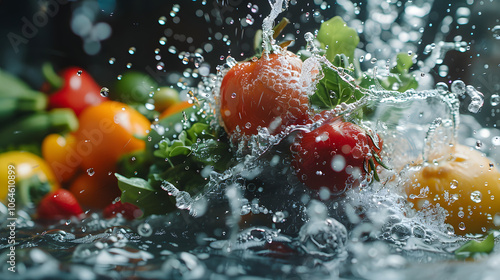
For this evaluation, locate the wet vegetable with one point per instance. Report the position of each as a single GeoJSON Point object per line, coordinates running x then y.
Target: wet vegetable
{"type": "Point", "coordinates": [59, 151]}
{"type": "Point", "coordinates": [34, 127]}
{"type": "Point", "coordinates": [30, 176]}
{"type": "Point", "coordinates": [60, 204]}
{"type": "Point", "coordinates": [134, 87]}
{"type": "Point", "coordinates": [108, 131]}
{"type": "Point", "coordinates": [265, 93]}
{"type": "Point", "coordinates": [127, 210]}
{"type": "Point", "coordinates": [94, 191]}
{"type": "Point", "coordinates": [73, 88]}
{"type": "Point", "coordinates": [466, 184]}
{"type": "Point", "coordinates": [336, 156]}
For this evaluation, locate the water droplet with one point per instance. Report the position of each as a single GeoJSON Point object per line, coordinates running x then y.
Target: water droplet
{"type": "Point", "coordinates": [373, 60]}
{"type": "Point", "coordinates": [248, 125]}
{"type": "Point", "coordinates": [458, 87]}
{"type": "Point", "coordinates": [479, 144]}
{"type": "Point", "coordinates": [233, 95]}
{"type": "Point", "coordinates": [119, 77]}
{"type": "Point", "coordinates": [496, 32]}
{"type": "Point", "coordinates": [254, 9]}
{"type": "Point", "coordinates": [453, 184]}
{"type": "Point", "coordinates": [79, 72]}
{"type": "Point", "coordinates": [160, 65]}
{"type": "Point", "coordinates": [145, 230]}
{"type": "Point", "coordinates": [91, 171]}
{"type": "Point", "coordinates": [495, 99]}
{"type": "Point", "coordinates": [461, 214]}
{"type": "Point", "coordinates": [104, 92]}
{"type": "Point", "coordinates": [157, 51]}
{"type": "Point", "coordinates": [112, 60]}
{"type": "Point", "coordinates": [461, 226]}
{"type": "Point", "coordinates": [338, 163]}
{"type": "Point", "coordinates": [132, 50]}
{"type": "Point", "coordinates": [129, 65]}
{"type": "Point", "coordinates": [476, 196]}
{"type": "Point", "coordinates": [442, 88]}
{"type": "Point", "coordinates": [162, 20]}
{"type": "Point", "coordinates": [163, 40]}
{"type": "Point", "coordinates": [249, 19]}
{"type": "Point", "coordinates": [278, 217]}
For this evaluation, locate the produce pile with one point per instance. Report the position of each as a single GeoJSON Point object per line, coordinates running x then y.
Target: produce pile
{"type": "Point", "coordinates": [140, 149]}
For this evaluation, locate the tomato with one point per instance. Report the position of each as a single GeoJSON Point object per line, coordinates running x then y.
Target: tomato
{"type": "Point", "coordinates": [108, 131]}
{"type": "Point", "coordinates": [466, 185]}
{"type": "Point", "coordinates": [59, 204]}
{"type": "Point", "coordinates": [336, 155]}
{"type": "Point", "coordinates": [59, 151]}
{"type": "Point", "coordinates": [25, 175]}
{"type": "Point", "coordinates": [266, 92]}
{"type": "Point", "coordinates": [96, 191]}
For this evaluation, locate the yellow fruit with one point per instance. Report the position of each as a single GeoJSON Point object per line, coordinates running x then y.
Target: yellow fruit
{"type": "Point", "coordinates": [467, 186]}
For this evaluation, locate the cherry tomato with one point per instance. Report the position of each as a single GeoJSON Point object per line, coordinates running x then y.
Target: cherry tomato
{"type": "Point", "coordinates": [466, 185]}
{"type": "Point", "coordinates": [266, 93]}
{"type": "Point", "coordinates": [336, 156]}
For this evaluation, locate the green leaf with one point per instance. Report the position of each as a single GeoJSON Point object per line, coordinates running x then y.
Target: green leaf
{"type": "Point", "coordinates": [474, 247]}
{"type": "Point", "coordinates": [334, 88]}
{"type": "Point", "coordinates": [139, 192]}
{"type": "Point", "coordinates": [338, 37]}
{"type": "Point", "coordinates": [403, 64]}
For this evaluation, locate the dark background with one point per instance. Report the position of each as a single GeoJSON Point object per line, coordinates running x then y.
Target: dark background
{"type": "Point", "coordinates": [134, 23]}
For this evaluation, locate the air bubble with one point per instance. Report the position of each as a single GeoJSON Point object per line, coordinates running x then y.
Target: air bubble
{"type": "Point", "coordinates": [453, 184]}
{"type": "Point", "coordinates": [145, 229]}
{"type": "Point", "coordinates": [91, 171]}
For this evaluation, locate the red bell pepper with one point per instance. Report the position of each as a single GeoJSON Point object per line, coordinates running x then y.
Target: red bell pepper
{"type": "Point", "coordinates": [74, 88]}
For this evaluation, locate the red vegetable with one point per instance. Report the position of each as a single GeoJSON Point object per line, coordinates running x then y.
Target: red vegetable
{"type": "Point", "coordinates": [127, 210]}
{"type": "Point", "coordinates": [60, 204]}
{"type": "Point", "coordinates": [266, 92]}
{"type": "Point", "coordinates": [75, 89]}
{"type": "Point", "coordinates": [336, 155]}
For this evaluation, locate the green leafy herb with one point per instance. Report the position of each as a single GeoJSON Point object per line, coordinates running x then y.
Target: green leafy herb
{"type": "Point", "coordinates": [335, 87]}
{"type": "Point", "coordinates": [401, 75]}
{"type": "Point", "coordinates": [337, 38]}
{"type": "Point", "coordinates": [474, 247]}
{"type": "Point", "coordinates": [139, 192]}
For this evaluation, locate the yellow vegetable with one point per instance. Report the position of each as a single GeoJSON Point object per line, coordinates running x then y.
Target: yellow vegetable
{"type": "Point", "coordinates": [25, 178]}
{"type": "Point", "coordinates": [467, 186]}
